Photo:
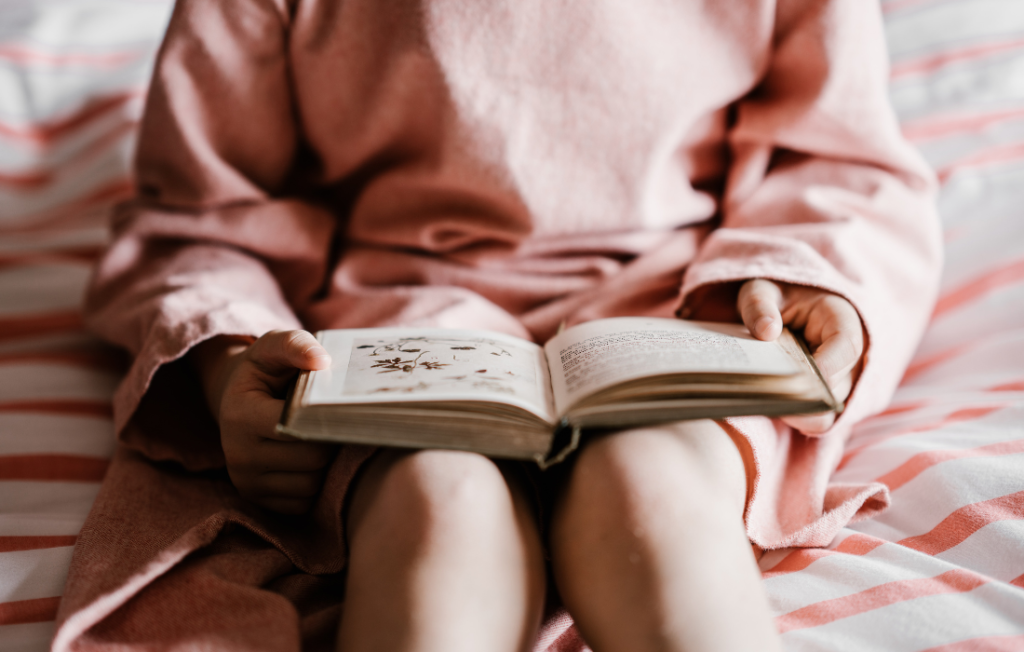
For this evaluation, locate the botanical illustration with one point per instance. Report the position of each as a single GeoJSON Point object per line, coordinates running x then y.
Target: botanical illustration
{"type": "Point", "coordinates": [439, 365]}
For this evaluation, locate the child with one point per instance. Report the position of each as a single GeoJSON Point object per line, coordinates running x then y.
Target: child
{"type": "Point", "coordinates": [504, 165]}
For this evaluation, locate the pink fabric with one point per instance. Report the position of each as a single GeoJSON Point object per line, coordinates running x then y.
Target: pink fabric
{"type": "Point", "coordinates": [507, 165]}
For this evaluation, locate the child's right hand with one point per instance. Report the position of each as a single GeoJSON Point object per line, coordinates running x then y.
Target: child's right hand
{"type": "Point", "coordinates": [242, 382]}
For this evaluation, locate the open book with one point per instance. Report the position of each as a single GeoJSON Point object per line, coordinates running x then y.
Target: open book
{"type": "Point", "coordinates": [507, 397]}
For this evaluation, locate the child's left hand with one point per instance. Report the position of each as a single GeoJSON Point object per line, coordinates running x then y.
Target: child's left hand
{"type": "Point", "coordinates": [831, 327]}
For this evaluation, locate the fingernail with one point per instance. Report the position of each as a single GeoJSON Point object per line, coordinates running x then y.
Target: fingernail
{"type": "Point", "coordinates": [318, 352]}
{"type": "Point", "coordinates": [762, 326]}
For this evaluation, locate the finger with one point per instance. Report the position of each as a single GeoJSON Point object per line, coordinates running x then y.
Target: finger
{"type": "Point", "coordinates": [253, 414]}
{"type": "Point", "coordinates": [250, 439]}
{"type": "Point", "coordinates": [271, 455]}
{"type": "Point", "coordinates": [758, 303]}
{"type": "Point", "coordinates": [839, 353]}
{"type": "Point", "coordinates": [834, 330]}
{"type": "Point", "coordinates": [280, 484]}
{"type": "Point", "coordinates": [815, 424]}
{"type": "Point", "coordinates": [280, 353]}
{"type": "Point", "coordinates": [811, 424]}
{"type": "Point", "coordinates": [842, 386]}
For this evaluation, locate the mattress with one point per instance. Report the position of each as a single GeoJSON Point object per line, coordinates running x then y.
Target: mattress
{"type": "Point", "coordinates": [942, 569]}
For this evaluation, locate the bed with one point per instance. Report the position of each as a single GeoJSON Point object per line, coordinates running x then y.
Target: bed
{"type": "Point", "coordinates": [942, 569]}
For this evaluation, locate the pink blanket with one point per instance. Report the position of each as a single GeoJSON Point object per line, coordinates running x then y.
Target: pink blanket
{"type": "Point", "coordinates": [357, 165]}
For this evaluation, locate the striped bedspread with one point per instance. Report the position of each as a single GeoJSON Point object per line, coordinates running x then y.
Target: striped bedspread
{"type": "Point", "coordinates": [943, 569]}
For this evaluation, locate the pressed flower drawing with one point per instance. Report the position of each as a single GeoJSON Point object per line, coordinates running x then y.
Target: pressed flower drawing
{"type": "Point", "coordinates": [439, 365]}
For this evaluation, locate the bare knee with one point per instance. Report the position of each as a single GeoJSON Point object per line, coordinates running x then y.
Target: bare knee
{"type": "Point", "coordinates": [648, 545]}
{"type": "Point", "coordinates": [427, 493]}
{"type": "Point", "coordinates": [691, 469]}
{"type": "Point", "coordinates": [441, 557]}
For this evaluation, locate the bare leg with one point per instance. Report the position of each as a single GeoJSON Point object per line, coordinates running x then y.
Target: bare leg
{"type": "Point", "coordinates": [444, 555]}
{"type": "Point", "coordinates": [649, 548]}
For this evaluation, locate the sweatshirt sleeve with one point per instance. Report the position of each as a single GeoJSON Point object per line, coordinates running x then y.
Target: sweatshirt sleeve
{"type": "Point", "coordinates": [211, 244]}
{"type": "Point", "coordinates": [824, 192]}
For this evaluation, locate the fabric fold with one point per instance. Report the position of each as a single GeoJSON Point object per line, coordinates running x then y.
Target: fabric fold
{"type": "Point", "coordinates": [511, 165]}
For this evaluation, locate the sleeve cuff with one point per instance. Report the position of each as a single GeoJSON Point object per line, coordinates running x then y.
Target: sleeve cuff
{"type": "Point", "coordinates": [163, 393]}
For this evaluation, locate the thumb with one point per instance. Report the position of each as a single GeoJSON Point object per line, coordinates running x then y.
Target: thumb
{"type": "Point", "coordinates": [758, 304]}
{"type": "Point", "coordinates": [279, 353]}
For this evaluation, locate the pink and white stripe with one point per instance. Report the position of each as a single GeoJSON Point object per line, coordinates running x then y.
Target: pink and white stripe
{"type": "Point", "coordinates": [72, 77]}
{"type": "Point", "coordinates": [943, 569]}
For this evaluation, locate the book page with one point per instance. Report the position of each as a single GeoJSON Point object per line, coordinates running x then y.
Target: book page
{"type": "Point", "coordinates": [386, 365]}
{"type": "Point", "coordinates": [592, 356]}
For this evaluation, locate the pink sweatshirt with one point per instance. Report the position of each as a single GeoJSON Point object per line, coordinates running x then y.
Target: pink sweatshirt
{"type": "Point", "coordinates": [507, 164]}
